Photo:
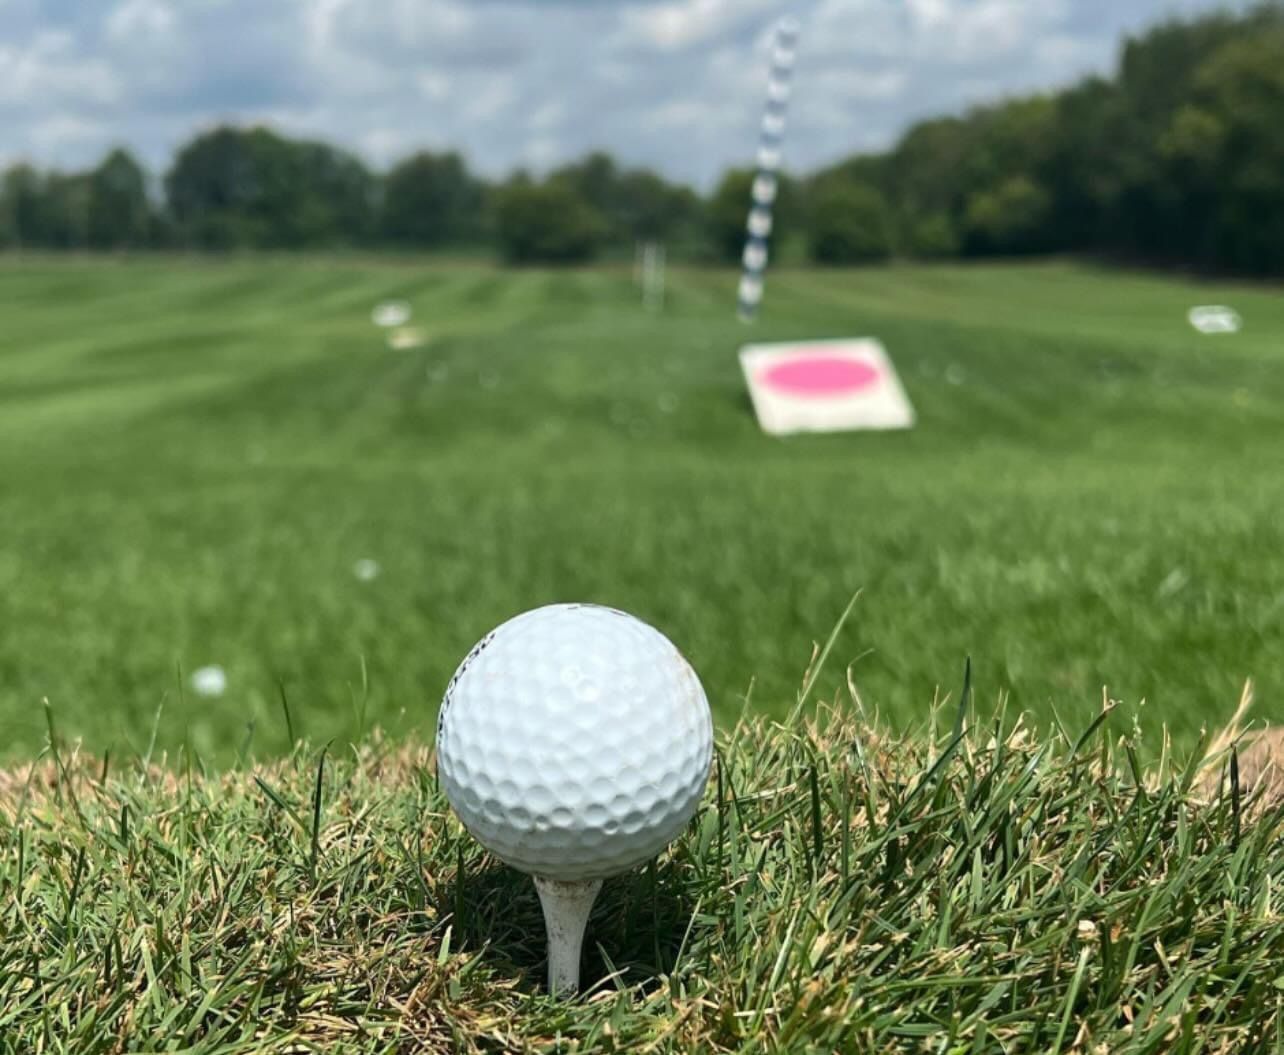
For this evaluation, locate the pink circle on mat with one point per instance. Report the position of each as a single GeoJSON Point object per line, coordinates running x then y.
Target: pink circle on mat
{"type": "Point", "coordinates": [820, 375]}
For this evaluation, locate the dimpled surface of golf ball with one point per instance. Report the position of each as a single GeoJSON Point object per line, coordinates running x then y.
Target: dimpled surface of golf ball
{"type": "Point", "coordinates": [574, 742]}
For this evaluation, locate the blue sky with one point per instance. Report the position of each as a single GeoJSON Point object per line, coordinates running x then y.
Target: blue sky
{"type": "Point", "coordinates": [676, 84]}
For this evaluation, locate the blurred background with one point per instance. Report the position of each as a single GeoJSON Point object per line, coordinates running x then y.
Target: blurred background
{"type": "Point", "coordinates": [221, 482]}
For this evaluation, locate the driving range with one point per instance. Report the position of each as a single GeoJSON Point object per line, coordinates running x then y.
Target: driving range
{"type": "Point", "coordinates": [199, 455]}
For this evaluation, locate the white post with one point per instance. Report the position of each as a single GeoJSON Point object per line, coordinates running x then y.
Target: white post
{"type": "Point", "coordinates": [652, 275]}
{"type": "Point", "coordinates": [566, 907]}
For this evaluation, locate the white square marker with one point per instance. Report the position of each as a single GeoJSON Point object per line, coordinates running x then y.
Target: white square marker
{"type": "Point", "coordinates": [824, 386]}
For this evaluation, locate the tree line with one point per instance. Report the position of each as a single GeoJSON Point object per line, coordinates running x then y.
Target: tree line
{"type": "Point", "coordinates": [1178, 157]}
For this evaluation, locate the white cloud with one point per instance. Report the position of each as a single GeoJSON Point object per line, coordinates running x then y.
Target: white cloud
{"type": "Point", "coordinates": [989, 29]}
{"type": "Point", "coordinates": [60, 133]}
{"type": "Point", "coordinates": [548, 115]}
{"type": "Point", "coordinates": [677, 84]}
{"type": "Point", "coordinates": [931, 14]}
{"type": "Point", "coordinates": [889, 84]}
{"type": "Point", "coordinates": [490, 101]}
{"type": "Point", "coordinates": [47, 72]}
{"type": "Point", "coordinates": [681, 113]}
{"type": "Point", "coordinates": [386, 143]}
{"type": "Point", "coordinates": [681, 23]}
{"type": "Point", "coordinates": [150, 22]}
{"type": "Point", "coordinates": [542, 152]}
{"type": "Point", "coordinates": [1062, 53]}
{"type": "Point", "coordinates": [434, 86]}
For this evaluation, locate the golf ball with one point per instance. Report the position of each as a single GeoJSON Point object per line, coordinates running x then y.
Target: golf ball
{"type": "Point", "coordinates": [574, 742]}
{"type": "Point", "coordinates": [209, 681]}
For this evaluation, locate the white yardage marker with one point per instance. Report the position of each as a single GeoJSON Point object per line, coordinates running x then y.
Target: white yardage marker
{"type": "Point", "coordinates": [824, 386]}
{"type": "Point", "coordinates": [1214, 318]}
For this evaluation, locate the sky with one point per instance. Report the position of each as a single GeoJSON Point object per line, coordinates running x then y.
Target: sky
{"type": "Point", "coordinates": [674, 84]}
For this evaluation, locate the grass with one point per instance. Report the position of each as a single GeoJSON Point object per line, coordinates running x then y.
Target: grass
{"type": "Point", "coordinates": [971, 888]}
{"type": "Point", "coordinates": [193, 454]}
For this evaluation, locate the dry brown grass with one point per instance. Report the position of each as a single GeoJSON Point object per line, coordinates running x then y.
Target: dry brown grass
{"type": "Point", "coordinates": [1259, 754]}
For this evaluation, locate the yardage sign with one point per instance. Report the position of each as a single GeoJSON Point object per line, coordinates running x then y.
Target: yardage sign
{"type": "Point", "coordinates": [824, 386]}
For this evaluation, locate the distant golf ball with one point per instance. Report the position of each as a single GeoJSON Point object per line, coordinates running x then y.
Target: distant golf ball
{"type": "Point", "coordinates": [391, 313]}
{"type": "Point", "coordinates": [574, 742]}
{"type": "Point", "coordinates": [366, 570]}
{"type": "Point", "coordinates": [209, 681]}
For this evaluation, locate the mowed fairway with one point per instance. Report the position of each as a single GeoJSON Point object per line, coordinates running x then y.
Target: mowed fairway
{"type": "Point", "coordinates": [193, 454]}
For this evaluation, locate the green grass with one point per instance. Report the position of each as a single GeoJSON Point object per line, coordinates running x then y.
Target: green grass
{"type": "Point", "coordinates": [839, 890]}
{"type": "Point", "coordinates": [194, 453]}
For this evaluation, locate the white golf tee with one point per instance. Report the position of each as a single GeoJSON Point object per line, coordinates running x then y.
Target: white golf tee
{"type": "Point", "coordinates": [566, 911]}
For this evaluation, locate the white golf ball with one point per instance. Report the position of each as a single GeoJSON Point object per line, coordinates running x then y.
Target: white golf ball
{"type": "Point", "coordinates": [209, 681]}
{"type": "Point", "coordinates": [574, 742]}
{"type": "Point", "coordinates": [390, 313]}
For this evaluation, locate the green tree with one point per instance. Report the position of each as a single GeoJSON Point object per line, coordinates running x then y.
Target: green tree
{"type": "Point", "coordinates": [1014, 138]}
{"type": "Point", "coordinates": [337, 197]}
{"type": "Point", "coordinates": [64, 210]}
{"type": "Point", "coordinates": [223, 188]}
{"type": "Point", "coordinates": [634, 203]}
{"type": "Point", "coordinates": [1147, 213]}
{"type": "Point", "coordinates": [21, 207]}
{"type": "Point", "coordinates": [849, 224]}
{"type": "Point", "coordinates": [595, 180]}
{"type": "Point", "coordinates": [651, 207]}
{"type": "Point", "coordinates": [547, 223]}
{"type": "Point", "coordinates": [233, 188]}
{"type": "Point", "coordinates": [1225, 151]}
{"type": "Point", "coordinates": [947, 174]}
{"type": "Point", "coordinates": [926, 165]}
{"type": "Point", "coordinates": [1087, 172]}
{"type": "Point", "coordinates": [432, 200]}
{"type": "Point", "coordinates": [1011, 218]}
{"type": "Point", "coordinates": [119, 212]}
{"type": "Point", "coordinates": [930, 236]}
